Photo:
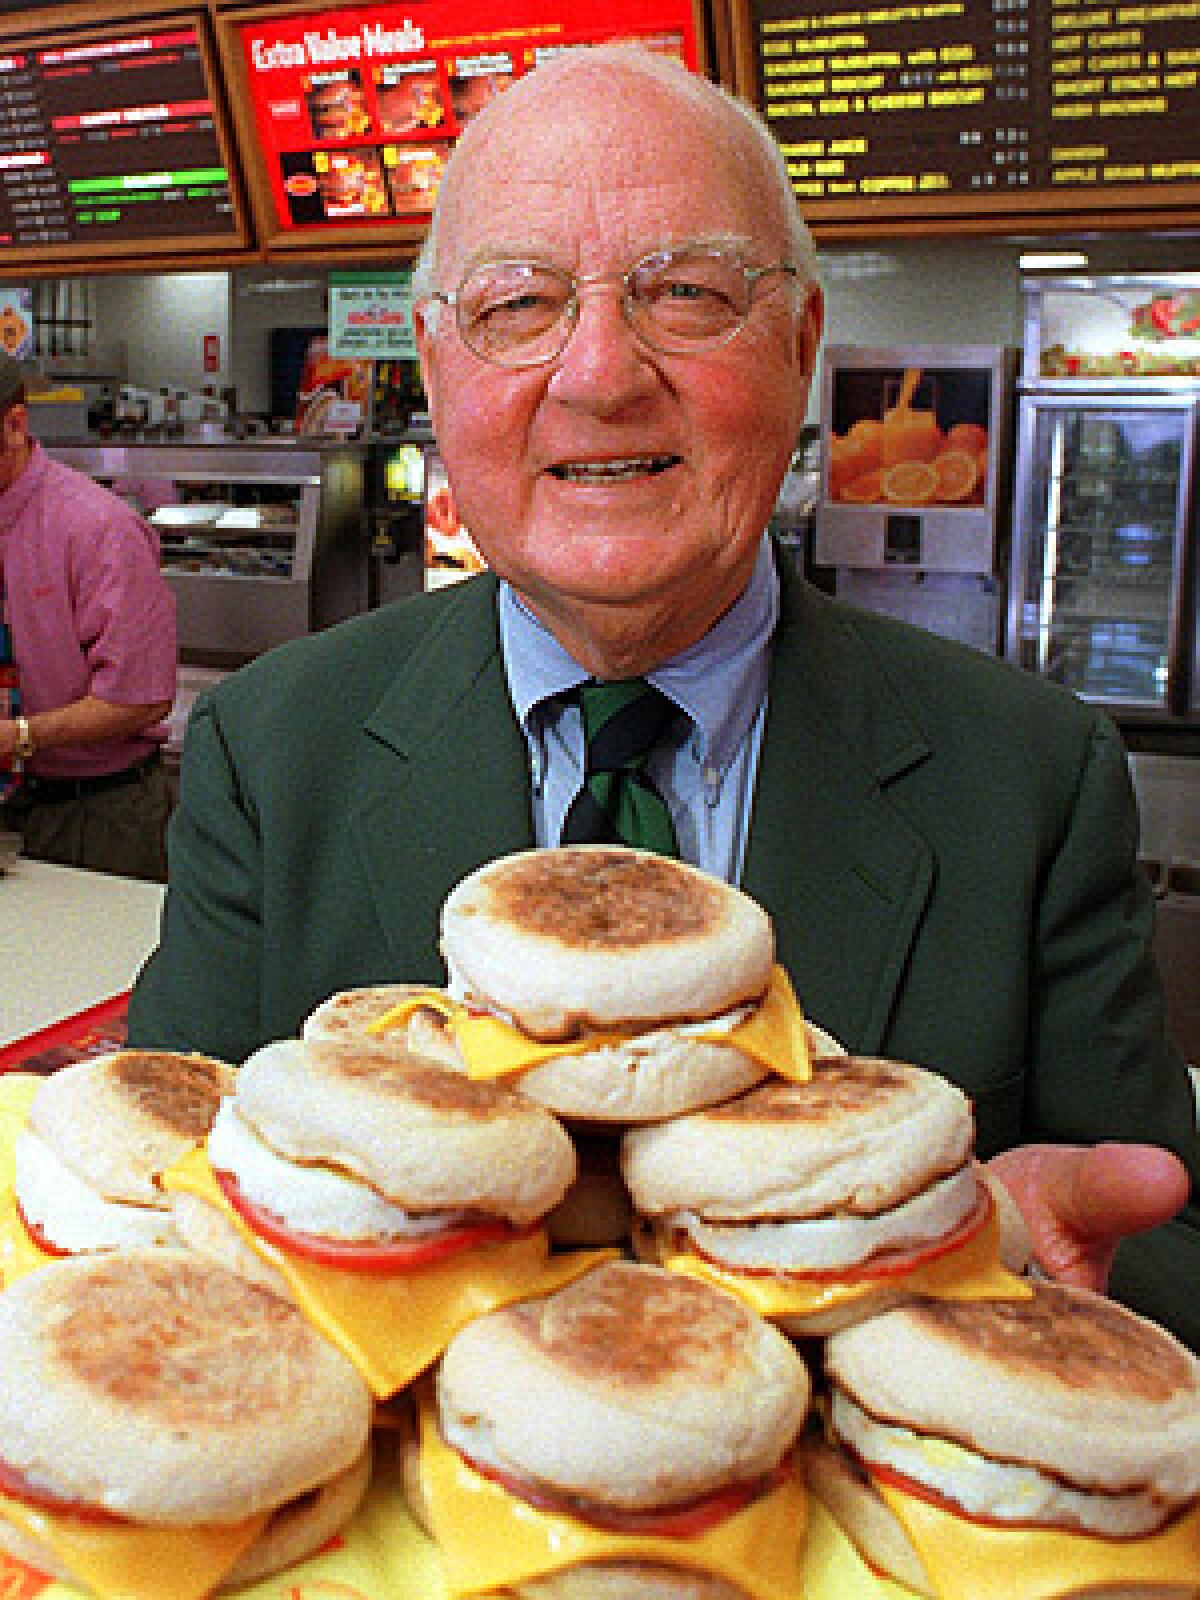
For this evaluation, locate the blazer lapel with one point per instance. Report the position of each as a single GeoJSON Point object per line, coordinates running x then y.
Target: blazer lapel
{"type": "Point", "coordinates": [844, 873]}
{"type": "Point", "coordinates": [448, 786]}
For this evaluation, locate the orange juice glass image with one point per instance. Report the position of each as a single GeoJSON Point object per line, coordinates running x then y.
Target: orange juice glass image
{"type": "Point", "coordinates": [905, 456]}
{"type": "Point", "coordinates": [909, 432]}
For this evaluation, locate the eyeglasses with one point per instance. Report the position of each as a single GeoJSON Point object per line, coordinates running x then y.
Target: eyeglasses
{"type": "Point", "coordinates": [679, 302]}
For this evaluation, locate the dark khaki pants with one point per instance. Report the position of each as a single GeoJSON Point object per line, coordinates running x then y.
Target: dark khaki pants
{"type": "Point", "coordinates": [119, 830]}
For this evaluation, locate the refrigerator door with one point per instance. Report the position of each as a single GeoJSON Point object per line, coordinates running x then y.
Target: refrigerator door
{"type": "Point", "coordinates": [1102, 507]}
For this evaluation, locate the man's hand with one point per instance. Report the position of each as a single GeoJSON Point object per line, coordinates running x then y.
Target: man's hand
{"type": "Point", "coordinates": [1079, 1201]}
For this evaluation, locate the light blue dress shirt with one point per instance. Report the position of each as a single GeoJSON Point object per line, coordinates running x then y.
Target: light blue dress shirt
{"type": "Point", "coordinates": [707, 775]}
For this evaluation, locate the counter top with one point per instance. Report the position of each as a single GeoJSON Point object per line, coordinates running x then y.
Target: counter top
{"type": "Point", "coordinates": [68, 939]}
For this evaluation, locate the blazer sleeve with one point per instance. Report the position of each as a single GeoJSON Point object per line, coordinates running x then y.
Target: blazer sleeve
{"type": "Point", "coordinates": [1101, 1064]}
{"type": "Point", "coordinates": [199, 989]}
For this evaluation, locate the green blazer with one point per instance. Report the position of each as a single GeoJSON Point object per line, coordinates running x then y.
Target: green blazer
{"type": "Point", "coordinates": [945, 843]}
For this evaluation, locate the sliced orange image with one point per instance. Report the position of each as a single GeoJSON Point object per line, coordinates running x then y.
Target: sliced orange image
{"type": "Point", "coordinates": [968, 436]}
{"type": "Point", "coordinates": [910, 483]}
{"type": "Point", "coordinates": [862, 490]}
{"type": "Point", "coordinates": [957, 473]}
{"type": "Point", "coordinates": [867, 434]}
{"type": "Point", "coordinates": [846, 461]}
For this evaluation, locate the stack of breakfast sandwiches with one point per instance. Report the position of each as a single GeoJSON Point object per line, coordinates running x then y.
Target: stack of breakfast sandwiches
{"type": "Point", "coordinates": [617, 1268]}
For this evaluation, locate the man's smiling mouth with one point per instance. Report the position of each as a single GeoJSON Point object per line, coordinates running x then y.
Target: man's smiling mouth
{"type": "Point", "coordinates": [611, 471]}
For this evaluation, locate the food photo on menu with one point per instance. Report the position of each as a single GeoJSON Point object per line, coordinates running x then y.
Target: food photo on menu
{"type": "Point", "coordinates": [408, 97]}
{"type": "Point", "coordinates": [337, 105]}
{"type": "Point", "coordinates": [351, 183]}
{"type": "Point", "coordinates": [476, 80]}
{"type": "Point", "coordinates": [414, 175]}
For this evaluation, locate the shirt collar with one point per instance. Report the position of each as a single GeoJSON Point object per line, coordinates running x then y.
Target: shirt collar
{"type": "Point", "coordinates": [16, 497]}
{"type": "Point", "coordinates": [720, 681]}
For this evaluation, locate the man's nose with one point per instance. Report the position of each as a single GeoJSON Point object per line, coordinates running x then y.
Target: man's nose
{"type": "Point", "coordinates": [604, 363]}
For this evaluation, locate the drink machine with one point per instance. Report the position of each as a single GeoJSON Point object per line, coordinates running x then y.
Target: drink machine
{"type": "Point", "coordinates": [914, 482]}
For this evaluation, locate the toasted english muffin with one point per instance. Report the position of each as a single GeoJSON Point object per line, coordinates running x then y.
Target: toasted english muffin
{"type": "Point", "coordinates": [346, 1017]}
{"type": "Point", "coordinates": [681, 1385]}
{"type": "Point", "coordinates": [630, 1435]}
{"type": "Point", "coordinates": [868, 1160]}
{"type": "Point", "coordinates": [1063, 1413]}
{"type": "Point", "coordinates": [100, 1132]}
{"type": "Point", "coordinates": [643, 965]}
{"type": "Point", "coordinates": [170, 1394]}
{"type": "Point", "coordinates": [419, 1136]}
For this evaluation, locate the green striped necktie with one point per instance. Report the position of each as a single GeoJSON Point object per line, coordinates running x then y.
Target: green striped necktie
{"type": "Point", "coordinates": [618, 803]}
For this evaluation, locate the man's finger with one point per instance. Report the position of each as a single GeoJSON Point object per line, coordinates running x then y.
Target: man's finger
{"type": "Point", "coordinates": [1114, 1189]}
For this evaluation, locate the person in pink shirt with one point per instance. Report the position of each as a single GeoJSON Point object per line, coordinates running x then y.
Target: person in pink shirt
{"type": "Point", "coordinates": [92, 627]}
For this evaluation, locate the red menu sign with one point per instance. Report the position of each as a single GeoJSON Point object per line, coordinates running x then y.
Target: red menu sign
{"type": "Point", "coordinates": [357, 110]}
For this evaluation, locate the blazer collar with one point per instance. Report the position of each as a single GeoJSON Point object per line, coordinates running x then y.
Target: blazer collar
{"type": "Point", "coordinates": [445, 784]}
{"type": "Point", "coordinates": [844, 872]}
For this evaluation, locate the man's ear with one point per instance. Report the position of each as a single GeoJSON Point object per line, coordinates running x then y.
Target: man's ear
{"type": "Point", "coordinates": [423, 335]}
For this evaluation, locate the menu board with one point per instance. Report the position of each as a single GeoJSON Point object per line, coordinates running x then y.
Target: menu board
{"type": "Point", "coordinates": [983, 107]}
{"type": "Point", "coordinates": [355, 110]}
{"type": "Point", "coordinates": [110, 144]}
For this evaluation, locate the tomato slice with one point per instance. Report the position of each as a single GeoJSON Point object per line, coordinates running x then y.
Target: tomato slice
{"type": "Point", "coordinates": [684, 1521]}
{"type": "Point", "coordinates": [17, 1486]}
{"type": "Point", "coordinates": [885, 1263]}
{"type": "Point", "coordinates": [46, 1246]}
{"type": "Point", "coordinates": [399, 1255]}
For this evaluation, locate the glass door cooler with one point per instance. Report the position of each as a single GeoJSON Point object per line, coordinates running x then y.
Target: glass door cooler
{"type": "Point", "coordinates": [1103, 510]}
{"type": "Point", "coordinates": [1103, 584]}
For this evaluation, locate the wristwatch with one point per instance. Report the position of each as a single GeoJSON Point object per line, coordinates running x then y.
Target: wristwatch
{"type": "Point", "coordinates": [24, 747]}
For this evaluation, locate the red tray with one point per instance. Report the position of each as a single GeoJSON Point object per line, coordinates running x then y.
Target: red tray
{"type": "Point", "coordinates": [92, 1032]}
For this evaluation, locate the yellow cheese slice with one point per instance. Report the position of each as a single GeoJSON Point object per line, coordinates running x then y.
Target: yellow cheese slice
{"type": "Point", "coordinates": [393, 1325]}
{"type": "Point", "coordinates": [966, 1558]}
{"type": "Point", "coordinates": [773, 1034]}
{"type": "Point", "coordinates": [970, 1272]}
{"type": "Point", "coordinates": [18, 1253]}
{"type": "Point", "coordinates": [490, 1540]}
{"type": "Point", "coordinates": [17, 1090]}
{"type": "Point", "coordinates": [130, 1561]}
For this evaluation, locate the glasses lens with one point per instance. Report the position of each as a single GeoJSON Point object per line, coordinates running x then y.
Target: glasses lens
{"type": "Point", "coordinates": [514, 311]}
{"type": "Point", "coordinates": [681, 299]}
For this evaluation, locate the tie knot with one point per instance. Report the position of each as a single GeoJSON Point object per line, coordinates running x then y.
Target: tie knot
{"type": "Point", "coordinates": [622, 722]}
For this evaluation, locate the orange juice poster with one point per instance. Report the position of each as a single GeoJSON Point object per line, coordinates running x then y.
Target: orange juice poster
{"type": "Point", "coordinates": [357, 108]}
{"type": "Point", "coordinates": [910, 436]}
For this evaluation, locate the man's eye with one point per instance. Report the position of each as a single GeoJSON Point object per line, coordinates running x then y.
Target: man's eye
{"type": "Point", "coordinates": [520, 302]}
{"type": "Point", "coordinates": [691, 302]}
{"type": "Point", "coordinates": [685, 289]}
{"type": "Point", "coordinates": [518, 310]}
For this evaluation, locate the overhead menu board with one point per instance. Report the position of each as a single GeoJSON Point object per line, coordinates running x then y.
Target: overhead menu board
{"type": "Point", "coordinates": [352, 112]}
{"type": "Point", "coordinates": [979, 108]}
{"type": "Point", "coordinates": [111, 145]}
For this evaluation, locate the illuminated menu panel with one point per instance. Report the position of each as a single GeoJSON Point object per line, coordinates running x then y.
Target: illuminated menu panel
{"type": "Point", "coordinates": [356, 111]}
{"type": "Point", "coordinates": [110, 142]}
{"type": "Point", "coordinates": [1023, 104]}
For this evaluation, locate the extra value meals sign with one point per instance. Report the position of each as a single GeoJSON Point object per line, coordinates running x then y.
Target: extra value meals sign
{"type": "Point", "coordinates": [356, 110]}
